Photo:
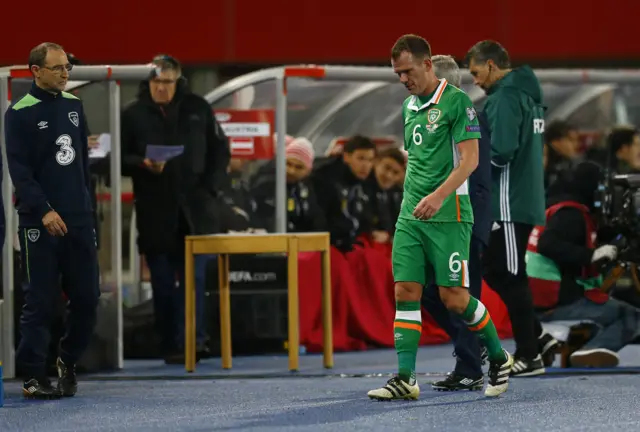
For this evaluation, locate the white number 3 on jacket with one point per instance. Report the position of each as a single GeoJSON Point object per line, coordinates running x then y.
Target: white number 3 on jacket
{"type": "Point", "coordinates": [66, 154]}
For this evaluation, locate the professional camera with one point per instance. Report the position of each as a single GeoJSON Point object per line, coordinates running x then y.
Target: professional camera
{"type": "Point", "coordinates": [617, 204]}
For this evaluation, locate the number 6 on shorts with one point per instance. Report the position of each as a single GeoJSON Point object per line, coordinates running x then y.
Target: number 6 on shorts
{"type": "Point", "coordinates": [448, 251]}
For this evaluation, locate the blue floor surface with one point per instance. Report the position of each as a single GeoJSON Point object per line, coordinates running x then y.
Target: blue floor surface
{"type": "Point", "coordinates": [242, 399]}
{"type": "Point", "coordinates": [432, 360]}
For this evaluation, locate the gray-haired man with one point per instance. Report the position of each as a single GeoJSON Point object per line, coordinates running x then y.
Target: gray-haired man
{"type": "Point", "coordinates": [467, 374]}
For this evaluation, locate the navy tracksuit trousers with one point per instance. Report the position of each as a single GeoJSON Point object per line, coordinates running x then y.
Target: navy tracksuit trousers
{"type": "Point", "coordinates": [46, 260]}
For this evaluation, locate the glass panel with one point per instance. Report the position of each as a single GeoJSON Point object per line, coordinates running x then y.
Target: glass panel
{"type": "Point", "coordinates": [377, 113]}
{"type": "Point", "coordinates": [595, 114]}
{"type": "Point", "coordinates": [630, 95]}
{"type": "Point", "coordinates": [553, 95]}
{"type": "Point", "coordinates": [20, 87]}
{"type": "Point", "coordinates": [304, 98]}
{"type": "Point", "coordinates": [95, 97]}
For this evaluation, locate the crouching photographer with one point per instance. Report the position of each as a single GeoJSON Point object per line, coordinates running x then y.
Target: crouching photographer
{"type": "Point", "coordinates": [565, 265]}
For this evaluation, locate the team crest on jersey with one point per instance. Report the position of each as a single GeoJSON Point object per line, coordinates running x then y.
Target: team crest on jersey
{"type": "Point", "coordinates": [433, 115]}
{"type": "Point", "coordinates": [471, 113]}
{"type": "Point", "coordinates": [33, 235]}
{"type": "Point", "coordinates": [74, 118]}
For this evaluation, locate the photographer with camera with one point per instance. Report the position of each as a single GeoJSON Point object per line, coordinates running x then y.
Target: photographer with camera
{"type": "Point", "coordinates": [565, 269]}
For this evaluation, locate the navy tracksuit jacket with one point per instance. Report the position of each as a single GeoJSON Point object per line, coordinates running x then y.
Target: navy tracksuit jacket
{"type": "Point", "coordinates": [47, 157]}
{"type": "Point", "coordinates": [467, 345]}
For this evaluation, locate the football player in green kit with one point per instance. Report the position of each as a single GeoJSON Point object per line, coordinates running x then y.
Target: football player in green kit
{"type": "Point", "coordinates": [433, 231]}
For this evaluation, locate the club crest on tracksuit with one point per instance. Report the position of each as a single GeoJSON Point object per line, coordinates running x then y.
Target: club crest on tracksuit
{"type": "Point", "coordinates": [74, 118]}
{"type": "Point", "coordinates": [33, 235]}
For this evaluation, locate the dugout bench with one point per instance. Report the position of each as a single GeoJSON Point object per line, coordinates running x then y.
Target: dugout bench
{"type": "Point", "coordinates": [223, 245]}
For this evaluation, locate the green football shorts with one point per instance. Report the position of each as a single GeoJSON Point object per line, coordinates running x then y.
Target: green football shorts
{"type": "Point", "coordinates": [426, 252]}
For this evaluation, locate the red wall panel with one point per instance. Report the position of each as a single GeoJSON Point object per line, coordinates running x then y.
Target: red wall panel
{"type": "Point", "coordinates": [347, 31]}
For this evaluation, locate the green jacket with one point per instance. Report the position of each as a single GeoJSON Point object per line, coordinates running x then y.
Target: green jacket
{"type": "Point", "coordinates": [516, 119]}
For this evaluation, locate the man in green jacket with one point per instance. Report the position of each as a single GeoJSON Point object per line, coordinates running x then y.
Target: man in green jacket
{"type": "Point", "coordinates": [516, 119]}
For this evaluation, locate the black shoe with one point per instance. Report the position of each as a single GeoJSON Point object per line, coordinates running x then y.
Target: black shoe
{"type": "Point", "coordinates": [484, 355]}
{"type": "Point", "coordinates": [179, 358]}
{"type": "Point", "coordinates": [523, 367]}
{"type": "Point", "coordinates": [455, 382]}
{"type": "Point", "coordinates": [203, 351]}
{"type": "Point", "coordinates": [547, 347]}
{"type": "Point", "coordinates": [67, 382]}
{"type": "Point", "coordinates": [39, 388]}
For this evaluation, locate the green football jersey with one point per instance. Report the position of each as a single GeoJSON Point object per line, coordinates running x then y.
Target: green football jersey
{"type": "Point", "coordinates": [433, 126]}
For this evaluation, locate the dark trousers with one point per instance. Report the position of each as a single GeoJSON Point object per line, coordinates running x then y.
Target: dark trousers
{"type": "Point", "coordinates": [466, 344]}
{"type": "Point", "coordinates": [505, 272]}
{"type": "Point", "coordinates": [167, 285]}
{"type": "Point", "coordinates": [45, 260]}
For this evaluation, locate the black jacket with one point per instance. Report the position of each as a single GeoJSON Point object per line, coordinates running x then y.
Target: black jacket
{"type": "Point", "coordinates": [188, 187]}
{"type": "Point", "coordinates": [564, 239]}
{"type": "Point", "coordinates": [557, 166]}
{"type": "Point", "coordinates": [343, 198]}
{"type": "Point", "coordinates": [238, 206]}
{"type": "Point", "coordinates": [382, 205]}
{"type": "Point", "coordinates": [480, 185]}
{"type": "Point", "coordinates": [47, 156]}
{"type": "Point", "coordinates": [303, 211]}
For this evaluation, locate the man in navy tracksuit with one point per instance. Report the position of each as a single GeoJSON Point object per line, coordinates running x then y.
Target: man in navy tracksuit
{"type": "Point", "coordinates": [47, 156]}
{"type": "Point", "coordinates": [467, 374]}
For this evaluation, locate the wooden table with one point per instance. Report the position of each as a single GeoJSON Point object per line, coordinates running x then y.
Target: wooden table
{"type": "Point", "coordinates": [225, 244]}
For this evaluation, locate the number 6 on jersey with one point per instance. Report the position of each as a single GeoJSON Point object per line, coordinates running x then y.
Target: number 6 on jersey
{"type": "Point", "coordinates": [417, 136]}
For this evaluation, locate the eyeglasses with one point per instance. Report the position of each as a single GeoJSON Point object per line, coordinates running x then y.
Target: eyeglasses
{"type": "Point", "coordinates": [164, 81]}
{"type": "Point", "coordinates": [59, 68]}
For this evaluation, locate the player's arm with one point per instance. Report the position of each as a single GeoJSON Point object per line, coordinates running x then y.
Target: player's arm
{"type": "Point", "coordinates": [19, 148]}
{"type": "Point", "coordinates": [465, 131]}
{"type": "Point", "coordinates": [505, 120]}
{"type": "Point", "coordinates": [468, 151]}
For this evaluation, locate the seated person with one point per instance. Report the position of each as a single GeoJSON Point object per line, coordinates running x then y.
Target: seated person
{"type": "Point", "coordinates": [564, 266]}
{"type": "Point", "coordinates": [385, 193]}
{"type": "Point", "coordinates": [560, 150]}
{"type": "Point", "coordinates": [238, 207]}
{"type": "Point", "coordinates": [340, 183]}
{"type": "Point", "coordinates": [303, 211]}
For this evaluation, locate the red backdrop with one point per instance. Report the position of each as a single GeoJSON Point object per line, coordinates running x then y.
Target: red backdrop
{"type": "Point", "coordinates": [282, 31]}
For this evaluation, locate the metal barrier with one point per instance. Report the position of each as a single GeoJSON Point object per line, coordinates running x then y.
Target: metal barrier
{"type": "Point", "coordinates": [113, 74]}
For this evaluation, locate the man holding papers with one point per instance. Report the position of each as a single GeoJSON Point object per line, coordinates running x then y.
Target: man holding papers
{"type": "Point", "coordinates": [177, 156]}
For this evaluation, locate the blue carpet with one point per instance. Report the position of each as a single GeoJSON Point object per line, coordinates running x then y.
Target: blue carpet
{"type": "Point", "coordinates": [432, 360]}
{"type": "Point", "coordinates": [243, 399]}
{"type": "Point", "coordinates": [328, 404]}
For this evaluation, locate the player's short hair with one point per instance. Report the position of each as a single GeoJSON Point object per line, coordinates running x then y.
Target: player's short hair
{"type": "Point", "coordinates": [556, 130]}
{"type": "Point", "coordinates": [393, 153]}
{"type": "Point", "coordinates": [621, 136]}
{"type": "Point", "coordinates": [417, 46]}
{"type": "Point", "coordinates": [358, 142]}
{"type": "Point", "coordinates": [487, 50]}
{"type": "Point", "coordinates": [38, 54]}
{"type": "Point", "coordinates": [445, 66]}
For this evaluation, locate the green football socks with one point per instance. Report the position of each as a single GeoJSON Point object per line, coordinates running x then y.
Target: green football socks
{"type": "Point", "coordinates": [478, 320]}
{"type": "Point", "coordinates": [407, 329]}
